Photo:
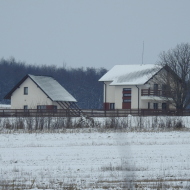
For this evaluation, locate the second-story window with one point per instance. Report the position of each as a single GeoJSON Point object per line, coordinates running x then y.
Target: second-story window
{"type": "Point", "coordinates": [156, 90]}
{"type": "Point", "coordinates": [155, 86]}
{"type": "Point", "coordinates": [25, 90]}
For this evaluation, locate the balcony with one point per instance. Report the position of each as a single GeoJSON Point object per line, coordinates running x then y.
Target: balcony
{"type": "Point", "coordinates": [160, 93]}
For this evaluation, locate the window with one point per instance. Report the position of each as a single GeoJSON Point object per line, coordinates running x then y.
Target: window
{"type": "Point", "coordinates": [156, 89]}
{"type": "Point", "coordinates": [126, 95]}
{"type": "Point", "coordinates": [126, 100]}
{"type": "Point", "coordinates": [25, 90]}
{"type": "Point", "coordinates": [112, 106]}
{"type": "Point", "coordinates": [41, 107]}
{"type": "Point", "coordinates": [126, 89]}
{"type": "Point", "coordinates": [25, 107]}
{"type": "Point", "coordinates": [155, 86]}
{"type": "Point", "coordinates": [148, 105]}
{"type": "Point", "coordinates": [164, 106]}
{"type": "Point", "coordinates": [155, 106]}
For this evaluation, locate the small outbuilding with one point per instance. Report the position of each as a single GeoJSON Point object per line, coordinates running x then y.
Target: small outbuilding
{"type": "Point", "coordinates": [40, 92]}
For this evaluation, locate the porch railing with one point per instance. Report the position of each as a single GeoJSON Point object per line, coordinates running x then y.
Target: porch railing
{"type": "Point", "coordinates": [149, 92]}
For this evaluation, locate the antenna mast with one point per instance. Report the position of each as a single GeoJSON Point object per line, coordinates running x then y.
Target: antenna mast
{"type": "Point", "coordinates": [143, 53]}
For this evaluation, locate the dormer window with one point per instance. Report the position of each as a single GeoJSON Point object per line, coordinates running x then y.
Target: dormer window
{"type": "Point", "coordinates": [25, 90]}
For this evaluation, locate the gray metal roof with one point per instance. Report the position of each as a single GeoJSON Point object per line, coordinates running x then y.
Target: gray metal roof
{"type": "Point", "coordinates": [52, 88]}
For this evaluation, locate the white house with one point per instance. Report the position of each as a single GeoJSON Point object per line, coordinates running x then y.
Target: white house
{"type": "Point", "coordinates": [134, 87]}
{"type": "Point", "coordinates": [39, 92]}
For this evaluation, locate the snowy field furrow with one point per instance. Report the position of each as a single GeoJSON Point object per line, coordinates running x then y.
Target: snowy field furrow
{"type": "Point", "coordinates": [98, 160]}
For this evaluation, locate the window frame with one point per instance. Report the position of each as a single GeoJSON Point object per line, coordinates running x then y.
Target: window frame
{"type": "Point", "coordinates": [164, 106]}
{"type": "Point", "coordinates": [127, 100]}
{"type": "Point", "coordinates": [155, 106]}
{"type": "Point", "coordinates": [156, 87]}
{"type": "Point", "coordinates": [126, 89]}
{"type": "Point", "coordinates": [41, 107]}
{"type": "Point", "coordinates": [25, 107]}
{"type": "Point", "coordinates": [126, 95]}
{"type": "Point", "coordinates": [112, 106]}
{"type": "Point", "coordinates": [148, 105]}
{"type": "Point", "coordinates": [25, 90]}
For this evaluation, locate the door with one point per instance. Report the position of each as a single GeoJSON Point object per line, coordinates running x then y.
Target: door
{"type": "Point", "coordinates": [164, 106]}
{"type": "Point", "coordinates": [155, 105]}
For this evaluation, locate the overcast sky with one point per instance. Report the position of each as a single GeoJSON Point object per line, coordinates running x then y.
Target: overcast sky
{"type": "Point", "coordinates": [91, 33]}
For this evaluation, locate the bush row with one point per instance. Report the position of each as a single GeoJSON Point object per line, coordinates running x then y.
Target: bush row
{"type": "Point", "coordinates": [129, 123]}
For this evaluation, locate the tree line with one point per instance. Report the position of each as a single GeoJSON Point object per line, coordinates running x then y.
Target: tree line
{"type": "Point", "coordinates": [82, 83]}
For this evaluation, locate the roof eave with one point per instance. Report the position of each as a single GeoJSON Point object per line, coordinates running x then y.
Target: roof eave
{"type": "Point", "coordinates": [64, 100]}
{"type": "Point", "coordinates": [9, 94]}
{"type": "Point", "coordinates": [127, 84]}
{"type": "Point", "coordinates": [105, 80]}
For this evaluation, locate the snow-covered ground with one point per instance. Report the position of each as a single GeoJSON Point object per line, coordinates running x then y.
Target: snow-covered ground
{"type": "Point", "coordinates": [94, 160]}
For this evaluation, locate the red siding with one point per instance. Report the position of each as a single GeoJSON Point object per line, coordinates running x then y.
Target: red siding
{"type": "Point", "coordinates": [126, 105]}
{"type": "Point", "coordinates": [106, 106]}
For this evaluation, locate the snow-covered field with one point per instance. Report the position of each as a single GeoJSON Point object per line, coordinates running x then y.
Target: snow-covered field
{"type": "Point", "coordinates": [94, 160]}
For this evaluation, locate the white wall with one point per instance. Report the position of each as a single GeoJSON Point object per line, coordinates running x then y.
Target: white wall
{"type": "Point", "coordinates": [118, 97]}
{"type": "Point", "coordinates": [35, 96]}
{"type": "Point", "coordinates": [110, 93]}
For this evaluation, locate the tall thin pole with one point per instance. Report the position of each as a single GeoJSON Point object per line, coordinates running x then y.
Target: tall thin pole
{"type": "Point", "coordinates": [143, 54]}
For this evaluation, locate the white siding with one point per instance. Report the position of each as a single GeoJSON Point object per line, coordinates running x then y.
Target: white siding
{"type": "Point", "coordinates": [118, 97]}
{"type": "Point", "coordinates": [110, 93]}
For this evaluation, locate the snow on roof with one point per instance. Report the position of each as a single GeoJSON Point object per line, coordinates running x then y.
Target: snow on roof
{"type": "Point", "coordinates": [129, 74]}
{"type": "Point", "coordinates": [52, 88]}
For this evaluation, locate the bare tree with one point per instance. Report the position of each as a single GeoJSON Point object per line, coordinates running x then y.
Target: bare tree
{"type": "Point", "coordinates": [176, 79]}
